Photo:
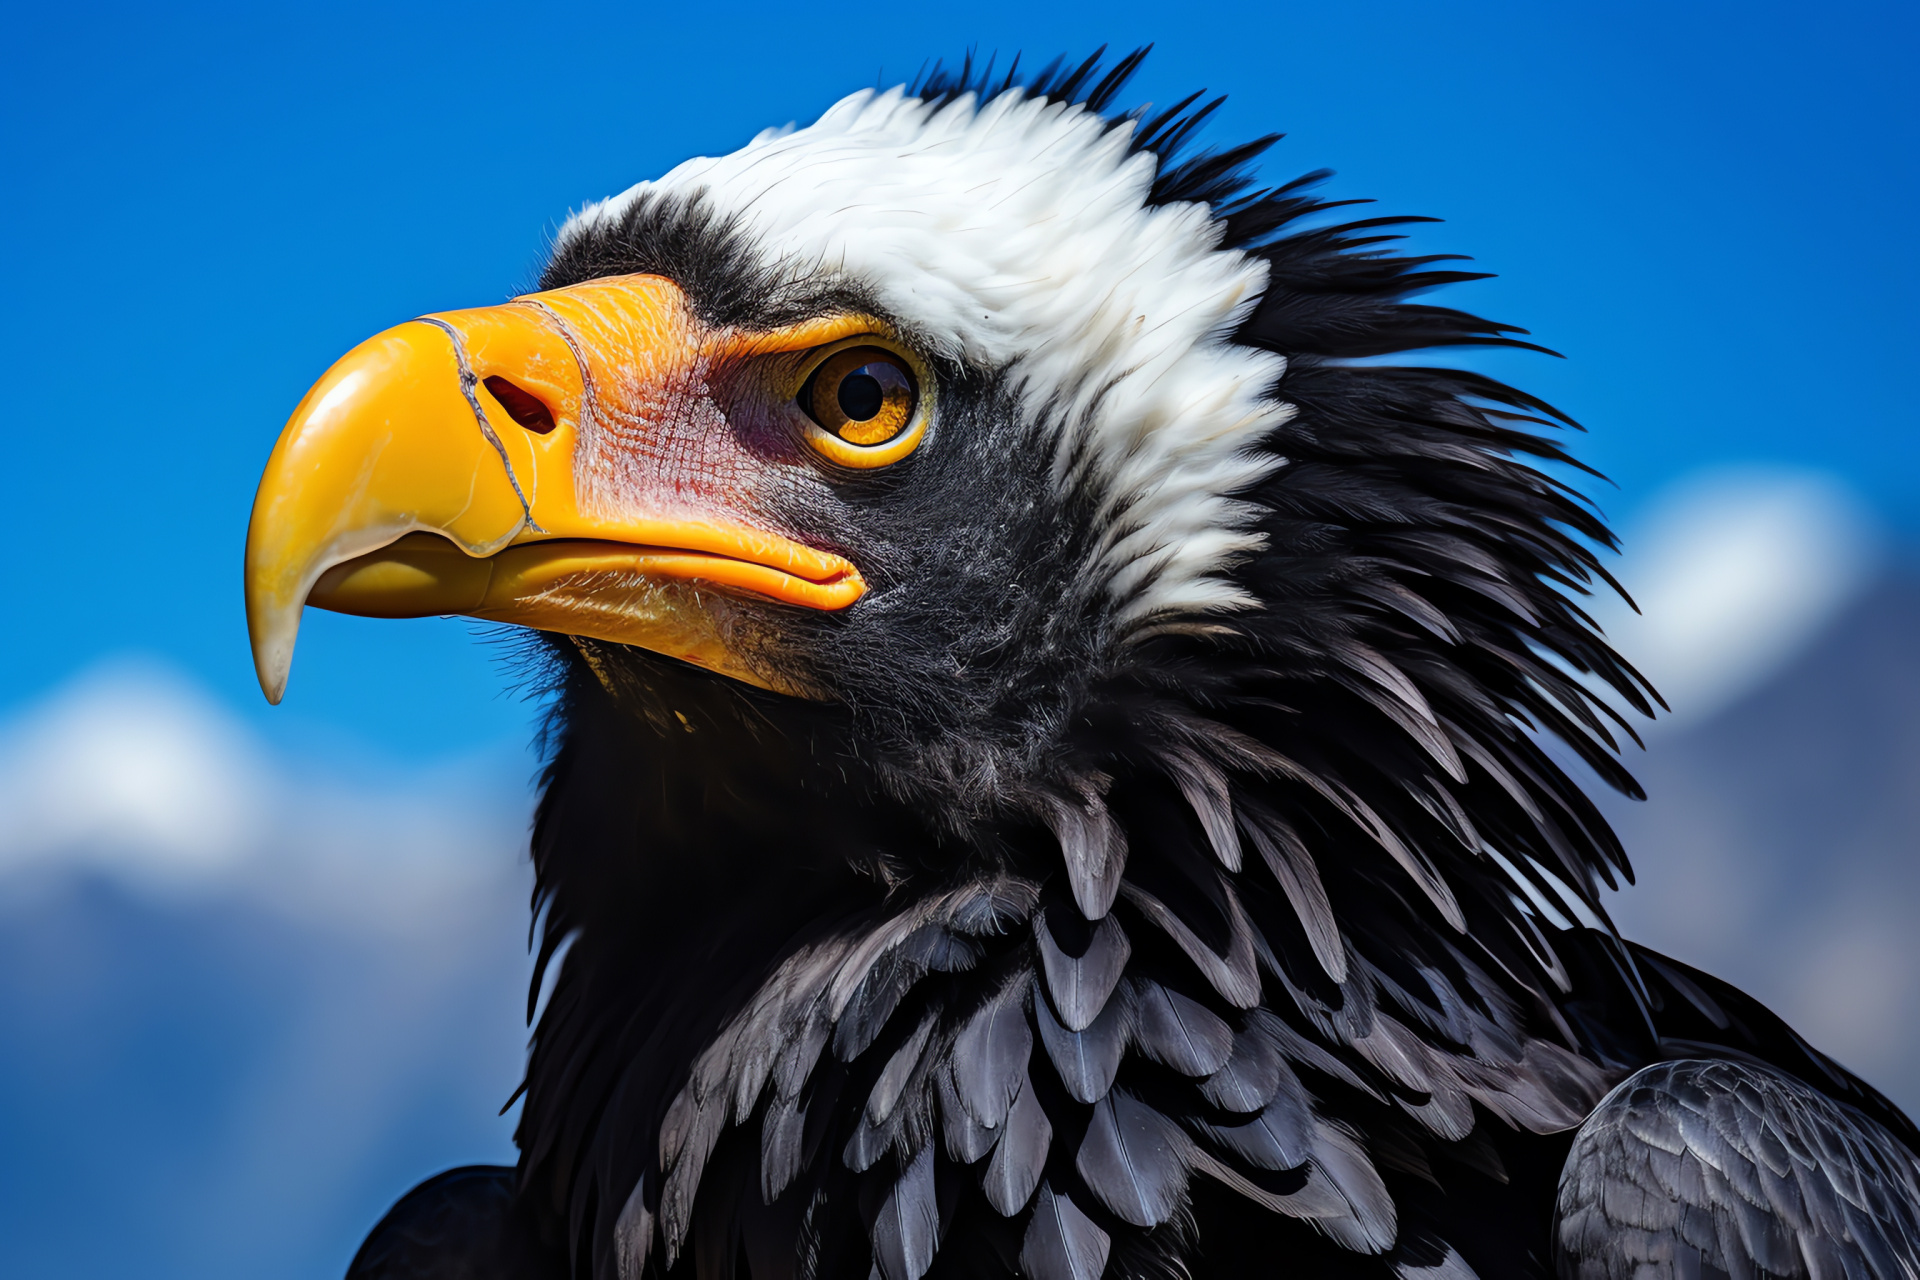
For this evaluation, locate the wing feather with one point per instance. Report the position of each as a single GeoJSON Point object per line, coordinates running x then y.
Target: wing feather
{"type": "Point", "coordinates": [967, 1138]}
{"type": "Point", "coordinates": [461, 1223]}
{"type": "Point", "coordinates": [1735, 1167]}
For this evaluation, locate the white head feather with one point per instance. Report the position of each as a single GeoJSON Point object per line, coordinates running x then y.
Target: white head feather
{"type": "Point", "coordinates": [1017, 234]}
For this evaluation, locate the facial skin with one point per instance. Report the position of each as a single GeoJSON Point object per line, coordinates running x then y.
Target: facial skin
{"type": "Point", "coordinates": [596, 461]}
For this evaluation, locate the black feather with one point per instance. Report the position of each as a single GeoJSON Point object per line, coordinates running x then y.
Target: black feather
{"type": "Point", "coordinates": [461, 1225]}
{"type": "Point", "coordinates": [967, 1138]}
{"type": "Point", "coordinates": [1274, 1140]}
{"type": "Point", "coordinates": [1249, 1077]}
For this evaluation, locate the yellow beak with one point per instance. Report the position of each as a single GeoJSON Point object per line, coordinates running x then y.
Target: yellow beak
{"type": "Point", "coordinates": [438, 468]}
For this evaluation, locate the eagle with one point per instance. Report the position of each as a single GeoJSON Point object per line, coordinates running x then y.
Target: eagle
{"type": "Point", "coordinates": [1057, 760]}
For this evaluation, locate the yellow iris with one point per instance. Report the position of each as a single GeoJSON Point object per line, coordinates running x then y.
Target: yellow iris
{"type": "Point", "coordinates": [864, 395]}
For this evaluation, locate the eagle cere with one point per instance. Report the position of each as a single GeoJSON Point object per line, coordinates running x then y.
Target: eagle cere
{"type": "Point", "coordinates": [1047, 771]}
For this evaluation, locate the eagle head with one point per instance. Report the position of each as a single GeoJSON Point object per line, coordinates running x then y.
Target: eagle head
{"type": "Point", "coordinates": [946, 410]}
{"type": "Point", "coordinates": [982, 490]}
{"type": "Point", "coordinates": [934, 410]}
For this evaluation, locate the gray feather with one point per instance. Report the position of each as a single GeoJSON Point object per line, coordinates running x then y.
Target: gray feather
{"type": "Point", "coordinates": [1135, 1160]}
{"type": "Point", "coordinates": [992, 908]}
{"type": "Point", "coordinates": [943, 951]}
{"type": "Point", "coordinates": [698, 1131]}
{"type": "Point", "coordinates": [782, 1130]}
{"type": "Point", "coordinates": [1093, 846]}
{"type": "Point", "coordinates": [1081, 984]}
{"type": "Point", "coordinates": [1249, 1076]}
{"type": "Point", "coordinates": [892, 974]}
{"type": "Point", "coordinates": [1292, 864]}
{"type": "Point", "coordinates": [1298, 1048]}
{"type": "Point", "coordinates": [1405, 1059]}
{"type": "Point", "coordinates": [1206, 792]}
{"type": "Point", "coordinates": [907, 1230]}
{"type": "Point", "coordinates": [1275, 1139]}
{"type": "Point", "coordinates": [1371, 1222]}
{"type": "Point", "coordinates": [1087, 1060]}
{"type": "Point", "coordinates": [990, 1054]}
{"type": "Point", "coordinates": [1282, 1135]}
{"type": "Point", "coordinates": [1550, 1089]}
{"type": "Point", "coordinates": [899, 1069]}
{"type": "Point", "coordinates": [1179, 1033]}
{"type": "Point", "coordinates": [1236, 975]}
{"type": "Point", "coordinates": [633, 1233]}
{"type": "Point", "coordinates": [1062, 1243]}
{"type": "Point", "coordinates": [867, 1143]}
{"type": "Point", "coordinates": [967, 1139]}
{"type": "Point", "coordinates": [796, 1064]}
{"type": "Point", "coordinates": [1316, 1202]}
{"type": "Point", "coordinates": [1022, 1153]}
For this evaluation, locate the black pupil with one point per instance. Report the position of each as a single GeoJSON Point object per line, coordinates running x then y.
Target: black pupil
{"type": "Point", "coordinates": [861, 395]}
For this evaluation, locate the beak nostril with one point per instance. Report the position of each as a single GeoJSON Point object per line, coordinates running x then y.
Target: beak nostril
{"type": "Point", "coordinates": [523, 407]}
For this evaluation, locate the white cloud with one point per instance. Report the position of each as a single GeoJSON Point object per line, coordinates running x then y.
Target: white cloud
{"type": "Point", "coordinates": [1735, 570]}
{"type": "Point", "coordinates": [154, 849]}
{"type": "Point", "coordinates": [133, 772]}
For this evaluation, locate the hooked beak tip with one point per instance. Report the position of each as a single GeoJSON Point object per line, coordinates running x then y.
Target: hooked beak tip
{"type": "Point", "coordinates": [273, 653]}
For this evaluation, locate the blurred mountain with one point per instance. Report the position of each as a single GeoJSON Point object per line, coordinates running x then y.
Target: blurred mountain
{"type": "Point", "coordinates": [1735, 570]}
{"type": "Point", "coordinates": [1779, 846]}
{"type": "Point", "coordinates": [244, 1002]}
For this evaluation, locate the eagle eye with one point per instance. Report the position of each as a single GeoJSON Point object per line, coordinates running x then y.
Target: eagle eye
{"type": "Point", "coordinates": [864, 395]}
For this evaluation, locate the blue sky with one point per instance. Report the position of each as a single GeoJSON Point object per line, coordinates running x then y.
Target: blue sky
{"type": "Point", "coordinates": [1708, 209]}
